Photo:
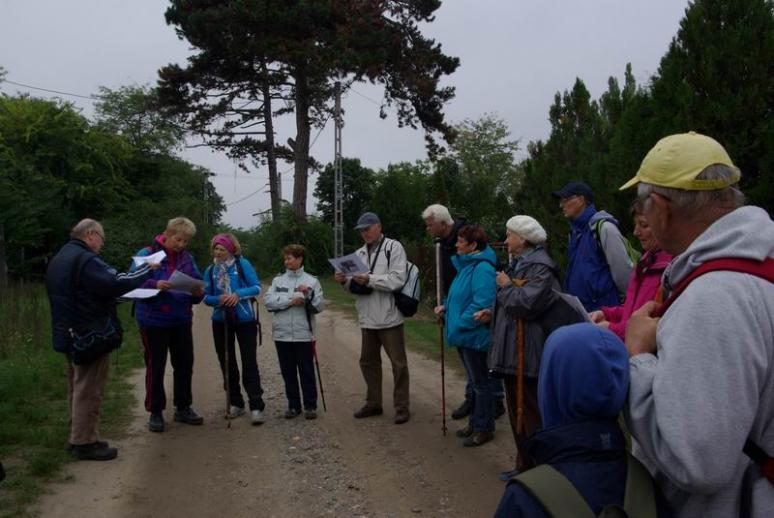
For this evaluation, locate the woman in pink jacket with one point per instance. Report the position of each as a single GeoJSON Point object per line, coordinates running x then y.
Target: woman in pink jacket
{"type": "Point", "coordinates": [644, 282]}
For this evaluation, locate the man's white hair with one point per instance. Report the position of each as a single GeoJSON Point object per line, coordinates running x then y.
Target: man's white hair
{"type": "Point", "coordinates": [438, 213]}
{"type": "Point", "coordinates": [84, 227]}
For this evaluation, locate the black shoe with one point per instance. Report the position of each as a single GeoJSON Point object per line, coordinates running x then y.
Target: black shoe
{"type": "Point", "coordinates": [368, 411]}
{"type": "Point", "coordinates": [310, 413]}
{"type": "Point", "coordinates": [402, 416]}
{"type": "Point", "coordinates": [464, 432]}
{"type": "Point", "coordinates": [93, 451]}
{"type": "Point", "coordinates": [478, 438]}
{"type": "Point", "coordinates": [188, 416]}
{"type": "Point", "coordinates": [463, 410]}
{"type": "Point", "coordinates": [291, 413]}
{"type": "Point", "coordinates": [156, 423]}
{"type": "Point", "coordinates": [499, 409]}
{"type": "Point", "coordinates": [101, 444]}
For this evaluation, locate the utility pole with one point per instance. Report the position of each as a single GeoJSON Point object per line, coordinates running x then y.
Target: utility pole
{"type": "Point", "coordinates": [338, 194]}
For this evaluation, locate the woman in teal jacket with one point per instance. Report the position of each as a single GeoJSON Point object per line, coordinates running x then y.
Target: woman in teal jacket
{"type": "Point", "coordinates": [472, 291]}
{"type": "Point", "coordinates": [231, 284]}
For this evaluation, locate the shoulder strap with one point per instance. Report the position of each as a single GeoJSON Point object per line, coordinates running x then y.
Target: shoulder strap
{"type": "Point", "coordinates": [639, 498]}
{"type": "Point", "coordinates": [554, 492]}
{"type": "Point", "coordinates": [240, 270]}
{"type": "Point", "coordinates": [763, 269]}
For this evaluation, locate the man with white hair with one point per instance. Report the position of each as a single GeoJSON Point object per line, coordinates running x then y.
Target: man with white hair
{"type": "Point", "coordinates": [82, 291]}
{"type": "Point", "coordinates": [701, 403]}
{"type": "Point", "coordinates": [440, 225]}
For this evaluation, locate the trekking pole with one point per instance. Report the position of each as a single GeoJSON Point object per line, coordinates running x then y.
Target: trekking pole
{"type": "Point", "coordinates": [226, 366]}
{"type": "Point", "coordinates": [308, 312]}
{"type": "Point", "coordinates": [319, 377]}
{"type": "Point", "coordinates": [440, 333]}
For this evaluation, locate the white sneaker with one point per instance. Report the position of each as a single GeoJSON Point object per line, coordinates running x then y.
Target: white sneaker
{"type": "Point", "coordinates": [235, 411]}
{"type": "Point", "coordinates": [256, 416]}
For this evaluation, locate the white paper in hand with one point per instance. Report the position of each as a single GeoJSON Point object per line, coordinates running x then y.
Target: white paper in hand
{"type": "Point", "coordinates": [183, 282]}
{"type": "Point", "coordinates": [349, 264]}
{"type": "Point", "coordinates": [156, 258]}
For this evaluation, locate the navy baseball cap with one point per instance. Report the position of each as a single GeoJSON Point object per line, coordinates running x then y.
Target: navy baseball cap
{"type": "Point", "coordinates": [574, 188]}
{"type": "Point", "coordinates": [366, 220]}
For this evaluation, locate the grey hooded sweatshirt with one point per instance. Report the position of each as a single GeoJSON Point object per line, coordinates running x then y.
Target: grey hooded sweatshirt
{"type": "Point", "coordinates": [711, 387]}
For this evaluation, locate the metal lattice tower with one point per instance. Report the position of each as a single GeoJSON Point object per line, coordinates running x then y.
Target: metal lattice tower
{"type": "Point", "coordinates": [338, 187]}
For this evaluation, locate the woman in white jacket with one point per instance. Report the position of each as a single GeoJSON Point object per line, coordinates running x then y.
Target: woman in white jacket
{"type": "Point", "coordinates": [294, 298]}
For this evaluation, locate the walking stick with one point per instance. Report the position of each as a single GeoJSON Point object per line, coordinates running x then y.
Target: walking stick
{"type": "Point", "coordinates": [440, 333]}
{"type": "Point", "coordinates": [226, 367]}
{"type": "Point", "coordinates": [319, 376]}
{"type": "Point", "coordinates": [520, 370]}
{"type": "Point", "coordinates": [308, 311]}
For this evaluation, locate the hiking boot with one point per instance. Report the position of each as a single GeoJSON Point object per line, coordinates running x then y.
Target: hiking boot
{"type": "Point", "coordinates": [478, 438]}
{"type": "Point", "coordinates": [93, 451]}
{"type": "Point", "coordinates": [311, 413]}
{"type": "Point", "coordinates": [101, 444]}
{"type": "Point", "coordinates": [290, 413]}
{"type": "Point", "coordinates": [499, 409]}
{"type": "Point", "coordinates": [188, 416]}
{"type": "Point", "coordinates": [368, 411]}
{"type": "Point", "coordinates": [402, 416]}
{"type": "Point", "coordinates": [156, 423]}
{"type": "Point", "coordinates": [464, 432]}
{"type": "Point", "coordinates": [235, 411]}
{"type": "Point", "coordinates": [256, 417]}
{"type": "Point", "coordinates": [463, 410]}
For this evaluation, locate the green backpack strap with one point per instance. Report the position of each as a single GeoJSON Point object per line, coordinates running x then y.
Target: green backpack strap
{"type": "Point", "coordinates": [640, 497]}
{"type": "Point", "coordinates": [554, 492]}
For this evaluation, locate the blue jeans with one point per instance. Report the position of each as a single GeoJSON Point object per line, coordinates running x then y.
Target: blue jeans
{"type": "Point", "coordinates": [498, 390]}
{"type": "Point", "coordinates": [482, 414]}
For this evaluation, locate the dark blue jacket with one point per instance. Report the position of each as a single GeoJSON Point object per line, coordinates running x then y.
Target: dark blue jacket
{"type": "Point", "coordinates": [588, 274]}
{"type": "Point", "coordinates": [582, 386]}
{"type": "Point", "coordinates": [90, 301]}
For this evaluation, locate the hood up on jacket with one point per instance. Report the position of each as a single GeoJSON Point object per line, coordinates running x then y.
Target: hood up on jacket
{"type": "Point", "coordinates": [584, 374]}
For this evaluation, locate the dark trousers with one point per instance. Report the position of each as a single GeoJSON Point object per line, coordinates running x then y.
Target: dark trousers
{"type": "Point", "coordinates": [482, 412]}
{"type": "Point", "coordinates": [296, 360]}
{"type": "Point", "coordinates": [531, 416]}
{"type": "Point", "coordinates": [498, 392]}
{"type": "Point", "coordinates": [157, 341]}
{"type": "Point", "coordinates": [246, 333]}
{"type": "Point", "coordinates": [371, 365]}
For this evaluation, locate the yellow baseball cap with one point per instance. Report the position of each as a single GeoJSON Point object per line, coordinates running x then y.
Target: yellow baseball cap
{"type": "Point", "coordinates": [676, 160]}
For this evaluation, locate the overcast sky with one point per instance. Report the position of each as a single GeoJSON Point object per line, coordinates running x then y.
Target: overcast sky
{"type": "Point", "coordinates": [515, 54]}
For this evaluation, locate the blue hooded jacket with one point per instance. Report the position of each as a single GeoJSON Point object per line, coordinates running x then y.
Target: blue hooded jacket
{"type": "Point", "coordinates": [588, 274]}
{"type": "Point", "coordinates": [473, 289]}
{"type": "Point", "coordinates": [583, 382]}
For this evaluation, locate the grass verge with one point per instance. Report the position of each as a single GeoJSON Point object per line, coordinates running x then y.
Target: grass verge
{"type": "Point", "coordinates": [34, 421]}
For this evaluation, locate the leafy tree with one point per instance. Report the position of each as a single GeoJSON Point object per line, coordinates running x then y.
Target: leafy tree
{"type": "Point", "coordinates": [132, 111]}
{"type": "Point", "coordinates": [717, 78]}
{"type": "Point", "coordinates": [313, 44]}
{"type": "Point", "coordinates": [401, 193]}
{"type": "Point", "coordinates": [358, 184]}
{"type": "Point", "coordinates": [483, 181]}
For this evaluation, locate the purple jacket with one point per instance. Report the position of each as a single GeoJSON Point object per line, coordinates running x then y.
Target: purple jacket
{"type": "Point", "coordinates": [643, 285]}
{"type": "Point", "coordinates": [168, 308]}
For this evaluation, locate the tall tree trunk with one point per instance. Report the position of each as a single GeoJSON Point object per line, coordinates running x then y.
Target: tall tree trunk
{"type": "Point", "coordinates": [274, 187]}
{"type": "Point", "coordinates": [301, 148]}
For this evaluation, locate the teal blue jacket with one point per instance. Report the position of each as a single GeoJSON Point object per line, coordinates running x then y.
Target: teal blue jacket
{"type": "Point", "coordinates": [473, 289]}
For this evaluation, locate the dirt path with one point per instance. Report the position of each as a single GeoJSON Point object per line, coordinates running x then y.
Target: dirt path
{"type": "Point", "coordinates": [334, 466]}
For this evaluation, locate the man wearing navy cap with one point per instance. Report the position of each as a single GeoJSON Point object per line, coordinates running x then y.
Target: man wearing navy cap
{"type": "Point", "coordinates": [598, 265]}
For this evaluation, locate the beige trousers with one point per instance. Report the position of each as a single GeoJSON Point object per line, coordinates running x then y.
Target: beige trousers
{"type": "Point", "coordinates": [85, 391]}
{"type": "Point", "coordinates": [371, 365]}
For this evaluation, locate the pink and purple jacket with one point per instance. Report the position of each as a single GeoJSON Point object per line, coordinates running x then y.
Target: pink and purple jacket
{"type": "Point", "coordinates": [643, 285]}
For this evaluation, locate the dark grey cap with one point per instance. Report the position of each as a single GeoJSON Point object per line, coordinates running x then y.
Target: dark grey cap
{"type": "Point", "coordinates": [366, 220]}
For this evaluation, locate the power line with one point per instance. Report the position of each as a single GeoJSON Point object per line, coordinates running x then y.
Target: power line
{"type": "Point", "coordinates": [364, 96]}
{"type": "Point", "coordinates": [88, 97]}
